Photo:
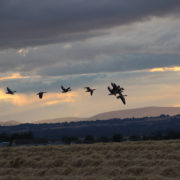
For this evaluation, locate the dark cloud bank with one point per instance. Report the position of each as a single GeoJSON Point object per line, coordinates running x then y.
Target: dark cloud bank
{"type": "Point", "coordinates": [35, 22]}
{"type": "Point", "coordinates": [116, 64]}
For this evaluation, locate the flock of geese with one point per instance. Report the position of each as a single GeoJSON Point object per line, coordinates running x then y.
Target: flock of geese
{"type": "Point", "coordinates": [115, 90]}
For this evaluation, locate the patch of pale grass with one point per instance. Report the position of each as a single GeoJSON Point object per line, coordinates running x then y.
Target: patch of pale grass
{"type": "Point", "coordinates": [142, 160]}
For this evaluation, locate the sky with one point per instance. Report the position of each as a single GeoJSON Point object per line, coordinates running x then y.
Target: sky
{"type": "Point", "coordinates": [79, 43]}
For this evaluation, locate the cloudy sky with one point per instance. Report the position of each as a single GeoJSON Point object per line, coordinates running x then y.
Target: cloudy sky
{"type": "Point", "coordinates": [78, 43]}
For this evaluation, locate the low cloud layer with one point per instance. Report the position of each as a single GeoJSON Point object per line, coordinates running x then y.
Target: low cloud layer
{"type": "Point", "coordinates": [130, 62]}
{"type": "Point", "coordinates": [36, 22]}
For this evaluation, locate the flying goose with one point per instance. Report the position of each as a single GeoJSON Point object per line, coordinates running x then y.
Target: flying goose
{"type": "Point", "coordinates": [9, 91]}
{"type": "Point", "coordinates": [65, 90]}
{"type": "Point", "coordinates": [88, 89]}
{"type": "Point", "coordinates": [122, 97]}
{"type": "Point", "coordinates": [40, 94]}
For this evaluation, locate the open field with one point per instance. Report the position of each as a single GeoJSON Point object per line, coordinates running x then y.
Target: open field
{"type": "Point", "coordinates": [143, 160]}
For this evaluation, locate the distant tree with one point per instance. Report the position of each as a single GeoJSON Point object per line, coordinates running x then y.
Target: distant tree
{"type": "Point", "coordinates": [89, 138]}
{"type": "Point", "coordinates": [66, 139]}
{"type": "Point", "coordinates": [4, 137]}
{"type": "Point", "coordinates": [75, 139]}
{"type": "Point", "coordinates": [134, 138]}
{"type": "Point", "coordinates": [172, 135]}
{"type": "Point", "coordinates": [157, 136]}
{"type": "Point", "coordinates": [146, 138]}
{"type": "Point", "coordinates": [164, 115]}
{"type": "Point", "coordinates": [104, 139]}
{"type": "Point", "coordinates": [23, 135]}
{"type": "Point", "coordinates": [116, 138]}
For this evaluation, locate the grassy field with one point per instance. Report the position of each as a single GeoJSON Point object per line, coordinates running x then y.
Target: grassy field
{"type": "Point", "coordinates": [148, 160]}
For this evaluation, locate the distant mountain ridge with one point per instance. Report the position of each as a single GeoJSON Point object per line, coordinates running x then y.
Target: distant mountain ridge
{"type": "Point", "coordinates": [121, 114]}
{"type": "Point", "coordinates": [9, 123]}
{"type": "Point", "coordinates": [146, 126]}
{"type": "Point", "coordinates": [137, 113]}
{"type": "Point", "coordinates": [57, 120]}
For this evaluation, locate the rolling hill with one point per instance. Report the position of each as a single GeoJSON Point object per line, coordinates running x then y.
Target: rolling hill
{"type": "Point", "coordinates": [121, 114]}
{"type": "Point", "coordinates": [9, 123]}
{"type": "Point", "coordinates": [57, 120]}
{"type": "Point", "coordinates": [137, 113]}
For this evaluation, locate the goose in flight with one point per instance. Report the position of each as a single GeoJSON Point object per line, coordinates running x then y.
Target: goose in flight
{"type": "Point", "coordinates": [122, 97]}
{"type": "Point", "coordinates": [40, 94]}
{"type": "Point", "coordinates": [9, 91]}
{"type": "Point", "coordinates": [116, 89]}
{"type": "Point", "coordinates": [88, 89]}
{"type": "Point", "coordinates": [113, 91]}
{"type": "Point", "coordinates": [65, 90]}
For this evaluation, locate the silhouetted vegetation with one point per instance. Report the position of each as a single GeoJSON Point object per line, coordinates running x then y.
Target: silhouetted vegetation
{"type": "Point", "coordinates": [172, 135]}
{"type": "Point", "coordinates": [117, 138]}
{"type": "Point", "coordinates": [89, 139]}
{"type": "Point", "coordinates": [113, 130]}
{"type": "Point", "coordinates": [23, 135]}
{"type": "Point", "coordinates": [4, 137]}
{"type": "Point", "coordinates": [66, 139]}
{"type": "Point", "coordinates": [69, 140]}
{"type": "Point", "coordinates": [128, 127]}
{"type": "Point", "coordinates": [134, 138]}
{"type": "Point", "coordinates": [104, 139]}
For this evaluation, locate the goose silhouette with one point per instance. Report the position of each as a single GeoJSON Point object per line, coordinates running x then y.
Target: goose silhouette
{"type": "Point", "coordinates": [65, 90]}
{"type": "Point", "coordinates": [88, 89]}
{"type": "Point", "coordinates": [117, 90]}
{"type": "Point", "coordinates": [122, 97]}
{"type": "Point", "coordinates": [9, 91]}
{"type": "Point", "coordinates": [40, 94]}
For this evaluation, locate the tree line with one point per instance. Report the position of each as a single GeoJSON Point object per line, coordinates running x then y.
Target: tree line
{"type": "Point", "coordinates": [25, 136]}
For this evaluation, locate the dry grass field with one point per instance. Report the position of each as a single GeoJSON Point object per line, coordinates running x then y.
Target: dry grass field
{"type": "Point", "coordinates": [148, 160]}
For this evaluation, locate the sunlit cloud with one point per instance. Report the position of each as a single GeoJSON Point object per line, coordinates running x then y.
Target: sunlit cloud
{"type": "Point", "coordinates": [13, 76]}
{"type": "Point", "coordinates": [176, 105]}
{"type": "Point", "coordinates": [163, 69]}
{"type": "Point", "coordinates": [29, 99]}
{"type": "Point", "coordinates": [54, 98]}
{"type": "Point", "coordinates": [49, 103]}
{"type": "Point", "coordinates": [25, 51]}
{"type": "Point", "coordinates": [17, 99]}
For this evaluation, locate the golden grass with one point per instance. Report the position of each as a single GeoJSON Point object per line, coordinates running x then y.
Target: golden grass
{"type": "Point", "coordinates": [145, 160]}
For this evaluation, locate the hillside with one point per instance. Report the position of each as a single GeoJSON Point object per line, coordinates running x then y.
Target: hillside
{"type": "Point", "coordinates": [9, 123]}
{"type": "Point", "coordinates": [129, 113]}
{"type": "Point", "coordinates": [121, 114]}
{"type": "Point", "coordinates": [137, 113]}
{"type": "Point", "coordinates": [58, 120]}
{"type": "Point", "coordinates": [126, 127]}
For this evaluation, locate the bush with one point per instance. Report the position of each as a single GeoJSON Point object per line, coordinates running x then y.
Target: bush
{"type": "Point", "coordinates": [104, 139]}
{"type": "Point", "coordinates": [89, 139]}
{"type": "Point", "coordinates": [117, 138]}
